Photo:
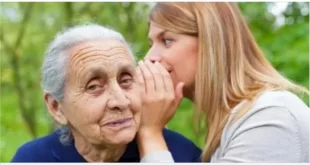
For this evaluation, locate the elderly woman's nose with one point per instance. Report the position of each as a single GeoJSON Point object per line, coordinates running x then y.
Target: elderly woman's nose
{"type": "Point", "coordinates": [118, 100]}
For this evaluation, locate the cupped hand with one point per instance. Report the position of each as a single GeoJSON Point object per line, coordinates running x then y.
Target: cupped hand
{"type": "Point", "coordinates": [160, 98]}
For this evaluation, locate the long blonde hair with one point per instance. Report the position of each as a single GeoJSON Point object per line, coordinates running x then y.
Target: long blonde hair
{"type": "Point", "coordinates": [231, 66]}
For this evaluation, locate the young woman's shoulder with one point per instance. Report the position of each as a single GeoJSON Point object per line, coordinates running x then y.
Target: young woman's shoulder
{"type": "Point", "coordinates": [276, 103]}
{"type": "Point", "coordinates": [275, 129]}
{"type": "Point", "coordinates": [281, 98]}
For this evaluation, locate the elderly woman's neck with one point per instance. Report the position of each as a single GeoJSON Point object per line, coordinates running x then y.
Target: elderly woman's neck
{"type": "Point", "coordinates": [98, 153]}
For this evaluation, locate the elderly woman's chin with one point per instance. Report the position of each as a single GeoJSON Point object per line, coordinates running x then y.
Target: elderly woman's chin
{"type": "Point", "coordinates": [118, 135]}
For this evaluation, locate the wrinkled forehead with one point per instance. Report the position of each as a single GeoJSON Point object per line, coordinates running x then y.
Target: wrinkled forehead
{"type": "Point", "coordinates": [107, 54]}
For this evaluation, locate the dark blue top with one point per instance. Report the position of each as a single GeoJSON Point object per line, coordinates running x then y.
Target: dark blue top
{"type": "Point", "coordinates": [49, 149]}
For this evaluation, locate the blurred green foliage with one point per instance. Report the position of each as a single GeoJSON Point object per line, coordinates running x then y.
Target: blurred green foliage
{"type": "Point", "coordinates": [26, 29]}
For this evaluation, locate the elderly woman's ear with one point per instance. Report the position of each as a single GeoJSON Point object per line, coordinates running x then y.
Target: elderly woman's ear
{"type": "Point", "coordinates": [54, 108]}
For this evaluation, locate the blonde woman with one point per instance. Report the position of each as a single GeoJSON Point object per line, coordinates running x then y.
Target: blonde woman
{"type": "Point", "coordinates": [206, 53]}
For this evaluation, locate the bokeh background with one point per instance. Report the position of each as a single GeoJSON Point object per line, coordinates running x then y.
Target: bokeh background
{"type": "Point", "coordinates": [281, 29]}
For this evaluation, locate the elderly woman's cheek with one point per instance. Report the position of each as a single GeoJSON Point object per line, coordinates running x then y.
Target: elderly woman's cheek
{"type": "Point", "coordinates": [135, 103]}
{"type": "Point", "coordinates": [134, 97]}
{"type": "Point", "coordinates": [94, 110]}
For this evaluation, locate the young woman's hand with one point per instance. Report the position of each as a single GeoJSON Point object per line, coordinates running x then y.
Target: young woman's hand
{"type": "Point", "coordinates": [160, 100]}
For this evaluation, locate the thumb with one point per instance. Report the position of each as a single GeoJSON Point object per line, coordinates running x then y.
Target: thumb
{"type": "Point", "coordinates": [179, 93]}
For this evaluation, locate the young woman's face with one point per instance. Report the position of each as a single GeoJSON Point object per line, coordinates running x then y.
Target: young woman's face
{"type": "Point", "coordinates": [177, 53]}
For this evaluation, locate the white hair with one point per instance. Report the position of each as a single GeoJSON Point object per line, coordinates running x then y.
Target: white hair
{"type": "Point", "coordinates": [56, 59]}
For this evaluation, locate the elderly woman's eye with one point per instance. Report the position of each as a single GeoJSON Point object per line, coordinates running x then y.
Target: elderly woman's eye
{"type": "Point", "coordinates": [94, 87]}
{"type": "Point", "coordinates": [126, 81]}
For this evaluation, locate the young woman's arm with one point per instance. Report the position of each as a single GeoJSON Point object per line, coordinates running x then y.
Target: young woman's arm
{"type": "Point", "coordinates": [150, 142]}
{"type": "Point", "coordinates": [153, 148]}
{"type": "Point", "coordinates": [160, 102]}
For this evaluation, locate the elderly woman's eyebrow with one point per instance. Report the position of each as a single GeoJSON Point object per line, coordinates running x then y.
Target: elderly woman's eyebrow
{"type": "Point", "coordinates": [126, 68]}
{"type": "Point", "coordinates": [94, 72]}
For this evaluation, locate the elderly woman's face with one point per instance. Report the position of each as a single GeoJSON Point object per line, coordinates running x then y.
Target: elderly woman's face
{"type": "Point", "coordinates": [102, 98]}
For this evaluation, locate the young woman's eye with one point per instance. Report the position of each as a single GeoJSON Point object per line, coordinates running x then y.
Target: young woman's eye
{"type": "Point", "coordinates": [167, 42]}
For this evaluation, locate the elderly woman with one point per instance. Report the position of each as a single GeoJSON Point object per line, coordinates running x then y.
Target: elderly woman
{"type": "Point", "coordinates": [90, 88]}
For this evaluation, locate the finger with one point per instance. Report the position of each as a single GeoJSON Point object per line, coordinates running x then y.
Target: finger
{"type": "Point", "coordinates": [179, 93]}
{"type": "Point", "coordinates": [158, 78]}
{"type": "Point", "coordinates": [148, 78]}
{"type": "Point", "coordinates": [141, 80]}
{"type": "Point", "coordinates": [166, 78]}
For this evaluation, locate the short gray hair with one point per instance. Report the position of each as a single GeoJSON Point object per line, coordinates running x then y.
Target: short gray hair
{"type": "Point", "coordinates": [56, 57]}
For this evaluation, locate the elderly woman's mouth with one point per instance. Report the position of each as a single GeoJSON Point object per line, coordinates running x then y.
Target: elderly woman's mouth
{"type": "Point", "coordinates": [126, 122]}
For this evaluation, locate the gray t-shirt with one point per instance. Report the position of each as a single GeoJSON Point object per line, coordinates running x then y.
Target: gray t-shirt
{"type": "Point", "coordinates": [274, 130]}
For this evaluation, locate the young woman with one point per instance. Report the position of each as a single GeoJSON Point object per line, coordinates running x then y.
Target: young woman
{"type": "Point", "coordinates": [206, 53]}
